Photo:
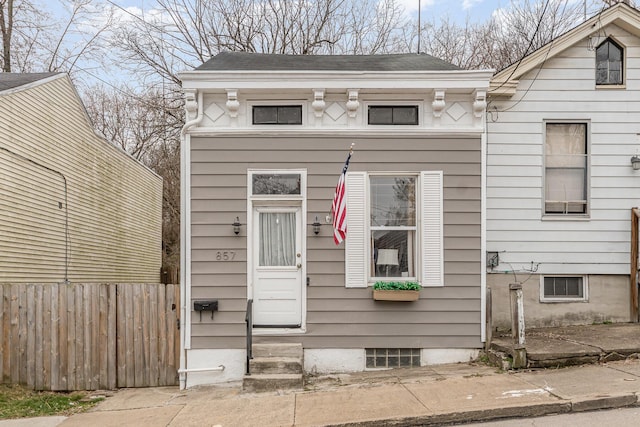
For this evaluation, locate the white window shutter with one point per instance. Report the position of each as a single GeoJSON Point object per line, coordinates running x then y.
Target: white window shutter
{"type": "Point", "coordinates": [432, 266]}
{"type": "Point", "coordinates": [356, 241]}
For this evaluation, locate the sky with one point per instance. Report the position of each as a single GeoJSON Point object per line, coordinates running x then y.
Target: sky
{"type": "Point", "coordinates": [457, 9]}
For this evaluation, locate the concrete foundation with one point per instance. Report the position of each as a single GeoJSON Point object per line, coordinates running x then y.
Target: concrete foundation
{"type": "Point", "coordinates": [608, 301]}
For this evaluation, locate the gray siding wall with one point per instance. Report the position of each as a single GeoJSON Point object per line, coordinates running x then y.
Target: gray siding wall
{"type": "Point", "coordinates": [337, 317]}
{"type": "Point", "coordinates": [114, 203]}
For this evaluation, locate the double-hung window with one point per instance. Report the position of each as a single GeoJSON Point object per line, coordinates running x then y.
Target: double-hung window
{"type": "Point", "coordinates": [395, 229]}
{"type": "Point", "coordinates": [393, 225]}
{"type": "Point", "coordinates": [566, 169]}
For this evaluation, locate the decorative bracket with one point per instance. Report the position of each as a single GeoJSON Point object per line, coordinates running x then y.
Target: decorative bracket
{"type": "Point", "coordinates": [480, 104]}
{"type": "Point", "coordinates": [352, 102]}
{"type": "Point", "coordinates": [233, 105]}
{"type": "Point", "coordinates": [438, 103]}
{"type": "Point", "coordinates": [318, 103]}
{"type": "Point", "coordinates": [190, 104]}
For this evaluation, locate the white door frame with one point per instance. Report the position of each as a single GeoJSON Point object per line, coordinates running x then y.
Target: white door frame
{"type": "Point", "coordinates": [294, 201]}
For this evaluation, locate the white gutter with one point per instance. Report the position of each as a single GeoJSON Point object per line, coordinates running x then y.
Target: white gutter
{"type": "Point", "coordinates": [185, 238]}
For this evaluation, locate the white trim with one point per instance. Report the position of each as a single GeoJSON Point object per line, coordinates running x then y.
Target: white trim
{"type": "Point", "coordinates": [293, 201]}
{"type": "Point", "coordinates": [275, 130]}
{"type": "Point", "coordinates": [585, 289]}
{"type": "Point", "coordinates": [338, 79]}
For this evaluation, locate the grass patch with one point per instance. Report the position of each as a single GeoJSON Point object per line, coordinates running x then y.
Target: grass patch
{"type": "Point", "coordinates": [19, 402]}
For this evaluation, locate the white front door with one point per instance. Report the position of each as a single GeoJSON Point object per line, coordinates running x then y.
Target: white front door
{"type": "Point", "coordinates": [277, 270]}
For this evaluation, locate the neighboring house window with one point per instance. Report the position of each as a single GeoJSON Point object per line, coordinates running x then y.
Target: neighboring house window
{"type": "Point", "coordinates": [563, 288]}
{"type": "Point", "coordinates": [609, 56]}
{"type": "Point", "coordinates": [277, 114]}
{"type": "Point", "coordinates": [393, 115]}
{"type": "Point", "coordinates": [566, 161]}
{"type": "Point", "coordinates": [394, 228]}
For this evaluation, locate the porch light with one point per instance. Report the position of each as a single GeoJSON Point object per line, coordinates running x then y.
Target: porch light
{"type": "Point", "coordinates": [236, 226]}
{"type": "Point", "coordinates": [316, 226]}
{"type": "Point", "coordinates": [635, 163]}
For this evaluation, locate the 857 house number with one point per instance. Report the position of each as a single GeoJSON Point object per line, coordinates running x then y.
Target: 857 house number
{"type": "Point", "coordinates": [225, 255]}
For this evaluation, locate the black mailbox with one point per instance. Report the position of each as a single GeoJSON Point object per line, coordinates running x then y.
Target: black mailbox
{"type": "Point", "coordinates": [205, 305]}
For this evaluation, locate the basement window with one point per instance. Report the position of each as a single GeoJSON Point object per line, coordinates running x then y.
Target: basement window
{"type": "Point", "coordinates": [563, 288]}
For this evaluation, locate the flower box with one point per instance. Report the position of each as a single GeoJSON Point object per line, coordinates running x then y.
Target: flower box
{"type": "Point", "coordinates": [395, 295]}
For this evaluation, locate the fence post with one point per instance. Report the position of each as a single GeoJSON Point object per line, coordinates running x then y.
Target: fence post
{"type": "Point", "coordinates": [517, 325]}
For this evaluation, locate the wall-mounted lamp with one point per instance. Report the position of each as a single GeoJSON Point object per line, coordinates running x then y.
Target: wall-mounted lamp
{"type": "Point", "coordinates": [316, 226]}
{"type": "Point", "coordinates": [635, 163]}
{"type": "Point", "coordinates": [236, 226]}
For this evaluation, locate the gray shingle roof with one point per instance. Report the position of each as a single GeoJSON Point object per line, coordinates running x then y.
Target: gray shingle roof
{"type": "Point", "coordinates": [13, 80]}
{"type": "Point", "coordinates": [242, 61]}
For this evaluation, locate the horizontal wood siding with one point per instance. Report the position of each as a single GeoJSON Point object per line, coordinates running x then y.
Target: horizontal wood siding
{"type": "Point", "coordinates": [448, 316]}
{"type": "Point", "coordinates": [106, 228]}
{"type": "Point", "coordinates": [564, 89]}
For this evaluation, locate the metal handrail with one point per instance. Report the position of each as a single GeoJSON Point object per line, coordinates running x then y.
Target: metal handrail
{"type": "Point", "coordinates": [249, 319]}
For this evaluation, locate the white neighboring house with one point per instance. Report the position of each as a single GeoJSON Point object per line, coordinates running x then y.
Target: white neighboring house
{"type": "Point", "coordinates": [563, 125]}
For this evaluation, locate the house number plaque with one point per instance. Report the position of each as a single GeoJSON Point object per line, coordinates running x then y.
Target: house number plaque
{"type": "Point", "coordinates": [225, 255]}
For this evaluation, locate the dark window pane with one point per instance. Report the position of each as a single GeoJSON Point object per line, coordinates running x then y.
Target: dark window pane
{"type": "Point", "coordinates": [405, 115]}
{"type": "Point", "coordinates": [277, 115]}
{"type": "Point", "coordinates": [563, 287]}
{"type": "Point", "coordinates": [609, 58]}
{"type": "Point", "coordinates": [380, 115]}
{"type": "Point", "coordinates": [276, 184]}
{"type": "Point", "coordinates": [290, 115]}
{"type": "Point", "coordinates": [393, 115]}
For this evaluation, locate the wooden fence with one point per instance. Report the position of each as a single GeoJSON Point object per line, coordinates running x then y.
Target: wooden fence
{"type": "Point", "coordinates": [89, 336]}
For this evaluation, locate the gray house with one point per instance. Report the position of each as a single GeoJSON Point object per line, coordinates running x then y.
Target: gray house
{"type": "Point", "coordinates": [265, 142]}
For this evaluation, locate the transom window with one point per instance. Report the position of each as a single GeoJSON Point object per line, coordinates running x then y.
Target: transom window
{"type": "Point", "coordinates": [562, 288]}
{"type": "Point", "coordinates": [566, 169]}
{"type": "Point", "coordinates": [277, 114]}
{"type": "Point", "coordinates": [609, 56]}
{"type": "Point", "coordinates": [263, 184]}
{"type": "Point", "coordinates": [393, 115]}
{"type": "Point", "coordinates": [393, 226]}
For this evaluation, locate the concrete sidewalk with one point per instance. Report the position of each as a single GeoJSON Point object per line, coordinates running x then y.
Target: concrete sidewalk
{"type": "Point", "coordinates": [421, 396]}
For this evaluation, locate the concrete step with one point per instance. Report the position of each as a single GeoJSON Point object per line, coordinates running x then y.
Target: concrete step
{"type": "Point", "coordinates": [277, 350]}
{"type": "Point", "coordinates": [272, 382]}
{"type": "Point", "coordinates": [276, 365]}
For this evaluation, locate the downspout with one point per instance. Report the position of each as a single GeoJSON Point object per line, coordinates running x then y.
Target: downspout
{"type": "Point", "coordinates": [185, 228]}
{"type": "Point", "coordinates": [483, 226]}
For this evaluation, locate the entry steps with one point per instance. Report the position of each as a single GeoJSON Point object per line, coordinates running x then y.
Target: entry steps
{"type": "Point", "coordinates": [275, 367]}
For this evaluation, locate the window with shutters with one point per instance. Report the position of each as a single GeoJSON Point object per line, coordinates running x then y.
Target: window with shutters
{"type": "Point", "coordinates": [394, 224]}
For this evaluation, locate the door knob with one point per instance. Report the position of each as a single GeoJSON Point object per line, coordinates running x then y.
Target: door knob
{"type": "Point", "coordinates": [299, 266]}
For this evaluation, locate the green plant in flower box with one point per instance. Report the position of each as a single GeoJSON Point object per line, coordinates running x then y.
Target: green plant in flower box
{"type": "Point", "coordinates": [396, 286]}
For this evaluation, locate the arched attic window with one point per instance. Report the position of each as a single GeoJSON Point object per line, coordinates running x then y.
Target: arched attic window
{"type": "Point", "coordinates": [609, 56]}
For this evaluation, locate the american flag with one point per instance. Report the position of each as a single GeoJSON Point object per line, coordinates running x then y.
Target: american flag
{"type": "Point", "coordinates": [339, 206]}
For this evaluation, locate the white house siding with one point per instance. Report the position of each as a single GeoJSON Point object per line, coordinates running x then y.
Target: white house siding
{"type": "Point", "coordinates": [563, 88]}
{"type": "Point", "coordinates": [114, 203]}
{"type": "Point", "coordinates": [337, 317]}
